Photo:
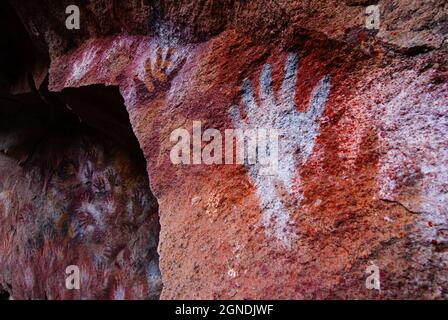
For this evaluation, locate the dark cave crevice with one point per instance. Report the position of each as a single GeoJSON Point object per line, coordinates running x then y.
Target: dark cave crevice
{"type": "Point", "coordinates": [22, 63]}
{"type": "Point", "coordinates": [4, 295]}
{"type": "Point", "coordinates": [79, 145]}
{"type": "Point", "coordinates": [73, 168]}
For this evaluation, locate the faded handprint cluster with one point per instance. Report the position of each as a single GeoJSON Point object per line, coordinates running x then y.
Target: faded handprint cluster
{"type": "Point", "coordinates": [298, 131]}
{"type": "Point", "coordinates": [81, 200]}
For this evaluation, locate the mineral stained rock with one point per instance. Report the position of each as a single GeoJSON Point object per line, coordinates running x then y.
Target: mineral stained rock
{"type": "Point", "coordinates": [362, 177]}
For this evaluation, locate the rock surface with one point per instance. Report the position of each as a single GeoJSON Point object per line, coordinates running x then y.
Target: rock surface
{"type": "Point", "coordinates": [71, 196]}
{"type": "Point", "coordinates": [363, 160]}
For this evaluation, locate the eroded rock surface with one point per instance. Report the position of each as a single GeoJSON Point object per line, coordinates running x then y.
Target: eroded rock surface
{"type": "Point", "coordinates": [363, 116]}
{"type": "Point", "coordinates": [72, 196]}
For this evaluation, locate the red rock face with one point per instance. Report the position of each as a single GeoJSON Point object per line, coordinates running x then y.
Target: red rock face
{"type": "Point", "coordinates": [362, 172]}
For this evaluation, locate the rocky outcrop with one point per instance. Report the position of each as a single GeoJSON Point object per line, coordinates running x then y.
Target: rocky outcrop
{"type": "Point", "coordinates": [362, 117]}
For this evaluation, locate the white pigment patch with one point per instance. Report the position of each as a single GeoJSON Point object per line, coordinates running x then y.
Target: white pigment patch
{"type": "Point", "coordinates": [298, 132]}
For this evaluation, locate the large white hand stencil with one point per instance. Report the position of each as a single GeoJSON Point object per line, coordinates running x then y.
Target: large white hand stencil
{"type": "Point", "coordinates": [298, 131]}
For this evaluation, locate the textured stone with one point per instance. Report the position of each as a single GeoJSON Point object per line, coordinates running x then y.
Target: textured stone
{"type": "Point", "coordinates": [363, 161]}
{"type": "Point", "coordinates": [76, 198]}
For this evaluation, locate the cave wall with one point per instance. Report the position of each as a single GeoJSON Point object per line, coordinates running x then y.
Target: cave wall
{"type": "Point", "coordinates": [71, 195]}
{"type": "Point", "coordinates": [363, 160]}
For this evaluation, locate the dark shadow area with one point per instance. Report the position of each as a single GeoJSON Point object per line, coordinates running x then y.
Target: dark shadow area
{"type": "Point", "coordinates": [4, 295]}
{"type": "Point", "coordinates": [102, 108]}
{"type": "Point", "coordinates": [20, 59]}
